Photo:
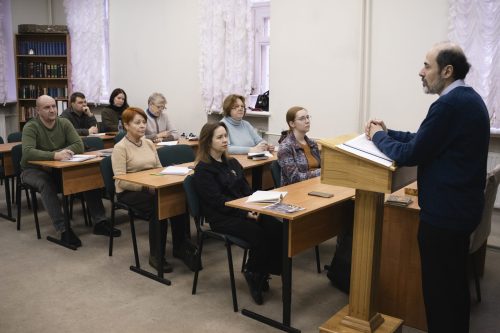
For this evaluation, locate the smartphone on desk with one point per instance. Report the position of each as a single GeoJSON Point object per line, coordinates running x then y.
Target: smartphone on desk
{"type": "Point", "coordinates": [320, 194]}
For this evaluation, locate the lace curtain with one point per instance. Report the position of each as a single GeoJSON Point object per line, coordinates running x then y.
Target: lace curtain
{"type": "Point", "coordinates": [3, 54]}
{"type": "Point", "coordinates": [88, 28]}
{"type": "Point", "coordinates": [226, 60]}
{"type": "Point", "coordinates": [475, 25]}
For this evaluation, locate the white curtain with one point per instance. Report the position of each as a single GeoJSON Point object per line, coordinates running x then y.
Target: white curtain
{"type": "Point", "coordinates": [226, 60]}
{"type": "Point", "coordinates": [3, 53]}
{"type": "Point", "coordinates": [475, 25]}
{"type": "Point", "coordinates": [88, 28]}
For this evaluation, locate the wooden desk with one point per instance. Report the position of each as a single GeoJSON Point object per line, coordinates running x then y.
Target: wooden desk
{"type": "Point", "coordinates": [400, 283]}
{"type": "Point", "coordinates": [320, 220]}
{"type": "Point", "coordinates": [76, 177]}
{"type": "Point", "coordinates": [8, 167]}
{"type": "Point", "coordinates": [258, 173]}
{"type": "Point", "coordinates": [170, 199]}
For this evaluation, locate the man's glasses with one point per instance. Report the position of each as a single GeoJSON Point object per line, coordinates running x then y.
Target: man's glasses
{"type": "Point", "coordinates": [303, 118]}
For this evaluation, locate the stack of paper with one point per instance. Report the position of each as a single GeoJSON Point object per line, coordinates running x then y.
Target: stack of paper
{"type": "Point", "coordinates": [175, 170]}
{"type": "Point", "coordinates": [363, 147]}
{"type": "Point", "coordinates": [97, 134]}
{"type": "Point", "coordinates": [266, 196]}
{"type": "Point", "coordinates": [398, 200]}
{"type": "Point", "coordinates": [167, 143]}
{"type": "Point", "coordinates": [79, 158]}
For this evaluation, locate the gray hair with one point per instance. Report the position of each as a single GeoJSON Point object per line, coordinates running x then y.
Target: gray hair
{"type": "Point", "coordinates": [156, 97]}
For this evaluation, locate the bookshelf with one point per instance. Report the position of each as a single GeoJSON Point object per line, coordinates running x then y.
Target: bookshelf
{"type": "Point", "coordinates": [42, 67]}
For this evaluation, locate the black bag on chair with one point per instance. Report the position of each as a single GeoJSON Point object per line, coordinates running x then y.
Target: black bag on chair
{"type": "Point", "coordinates": [263, 101]}
{"type": "Point", "coordinates": [190, 255]}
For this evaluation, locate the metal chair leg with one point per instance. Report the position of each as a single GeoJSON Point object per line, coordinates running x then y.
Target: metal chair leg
{"type": "Point", "coordinates": [318, 264]}
{"type": "Point", "coordinates": [195, 280]}
{"type": "Point", "coordinates": [134, 239]}
{"type": "Point", "coordinates": [231, 276]}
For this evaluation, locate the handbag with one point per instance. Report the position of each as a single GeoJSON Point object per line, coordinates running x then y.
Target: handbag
{"type": "Point", "coordinates": [263, 101]}
{"type": "Point", "coordinates": [190, 255]}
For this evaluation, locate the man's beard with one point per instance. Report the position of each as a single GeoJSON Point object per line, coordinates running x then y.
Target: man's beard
{"type": "Point", "coordinates": [436, 88]}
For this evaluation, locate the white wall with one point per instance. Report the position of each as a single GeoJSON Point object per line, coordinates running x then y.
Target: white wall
{"type": "Point", "coordinates": [402, 33]}
{"type": "Point", "coordinates": [155, 47]}
{"type": "Point", "coordinates": [316, 59]}
{"type": "Point", "coordinates": [315, 63]}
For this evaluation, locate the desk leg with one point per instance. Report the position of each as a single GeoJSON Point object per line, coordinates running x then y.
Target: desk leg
{"type": "Point", "coordinates": [7, 199]}
{"type": "Point", "coordinates": [137, 269]}
{"type": "Point", "coordinates": [65, 242]}
{"type": "Point", "coordinates": [286, 291]}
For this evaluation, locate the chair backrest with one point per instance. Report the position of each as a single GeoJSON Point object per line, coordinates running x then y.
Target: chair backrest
{"type": "Point", "coordinates": [276, 173]}
{"type": "Point", "coordinates": [119, 136]}
{"type": "Point", "coordinates": [107, 176]}
{"type": "Point", "coordinates": [17, 154]}
{"type": "Point", "coordinates": [92, 143]}
{"type": "Point", "coordinates": [177, 154]}
{"type": "Point", "coordinates": [15, 137]}
{"type": "Point", "coordinates": [1, 140]}
{"type": "Point", "coordinates": [193, 201]}
{"type": "Point", "coordinates": [483, 230]}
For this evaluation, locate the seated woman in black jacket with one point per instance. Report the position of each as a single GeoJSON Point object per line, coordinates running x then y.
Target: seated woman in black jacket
{"type": "Point", "coordinates": [218, 179]}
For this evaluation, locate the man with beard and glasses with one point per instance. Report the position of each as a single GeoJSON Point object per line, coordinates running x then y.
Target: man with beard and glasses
{"type": "Point", "coordinates": [450, 149]}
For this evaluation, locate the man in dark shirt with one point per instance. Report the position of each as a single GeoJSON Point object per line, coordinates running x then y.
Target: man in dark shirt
{"type": "Point", "coordinates": [450, 149]}
{"type": "Point", "coordinates": [80, 116]}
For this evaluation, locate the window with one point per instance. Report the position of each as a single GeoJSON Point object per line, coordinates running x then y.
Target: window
{"type": "Point", "coordinates": [262, 27]}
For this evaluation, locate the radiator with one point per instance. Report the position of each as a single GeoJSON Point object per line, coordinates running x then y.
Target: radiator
{"type": "Point", "coordinates": [494, 160]}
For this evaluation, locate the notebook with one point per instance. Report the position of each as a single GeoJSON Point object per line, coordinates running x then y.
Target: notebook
{"type": "Point", "coordinates": [267, 196]}
{"type": "Point", "coordinates": [80, 158]}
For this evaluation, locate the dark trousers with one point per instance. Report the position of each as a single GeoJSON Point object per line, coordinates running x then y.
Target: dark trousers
{"type": "Point", "coordinates": [265, 237]}
{"type": "Point", "coordinates": [443, 256]}
{"type": "Point", "coordinates": [143, 202]}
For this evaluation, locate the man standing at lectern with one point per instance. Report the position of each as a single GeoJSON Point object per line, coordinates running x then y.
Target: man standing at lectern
{"type": "Point", "coordinates": [450, 149]}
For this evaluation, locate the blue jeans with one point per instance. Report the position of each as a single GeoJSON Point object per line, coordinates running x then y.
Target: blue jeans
{"type": "Point", "coordinates": [48, 183]}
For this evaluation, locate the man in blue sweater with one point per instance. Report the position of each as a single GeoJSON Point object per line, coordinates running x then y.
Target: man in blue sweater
{"type": "Point", "coordinates": [450, 149]}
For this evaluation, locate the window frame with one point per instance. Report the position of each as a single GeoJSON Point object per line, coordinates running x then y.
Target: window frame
{"type": "Point", "coordinates": [261, 15]}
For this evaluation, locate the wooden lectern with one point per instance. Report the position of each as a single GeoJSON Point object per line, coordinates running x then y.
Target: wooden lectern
{"type": "Point", "coordinates": [371, 180]}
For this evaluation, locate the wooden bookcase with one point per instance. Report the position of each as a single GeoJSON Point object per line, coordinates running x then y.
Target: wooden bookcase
{"type": "Point", "coordinates": [43, 66]}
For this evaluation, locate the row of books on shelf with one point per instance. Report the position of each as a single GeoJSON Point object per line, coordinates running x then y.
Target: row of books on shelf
{"type": "Point", "coordinates": [42, 70]}
{"type": "Point", "coordinates": [32, 91]}
{"type": "Point", "coordinates": [42, 48]}
{"type": "Point", "coordinates": [28, 112]}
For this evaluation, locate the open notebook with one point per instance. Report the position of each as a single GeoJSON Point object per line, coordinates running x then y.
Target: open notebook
{"type": "Point", "coordinates": [363, 147]}
{"type": "Point", "coordinates": [80, 158]}
{"type": "Point", "coordinates": [175, 170]}
{"type": "Point", "coordinates": [267, 196]}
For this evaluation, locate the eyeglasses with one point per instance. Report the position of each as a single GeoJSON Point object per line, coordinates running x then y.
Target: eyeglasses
{"type": "Point", "coordinates": [303, 118]}
{"type": "Point", "coordinates": [160, 107]}
{"type": "Point", "coordinates": [238, 106]}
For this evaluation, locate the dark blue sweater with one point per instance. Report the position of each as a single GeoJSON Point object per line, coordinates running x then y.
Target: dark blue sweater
{"type": "Point", "coordinates": [450, 149]}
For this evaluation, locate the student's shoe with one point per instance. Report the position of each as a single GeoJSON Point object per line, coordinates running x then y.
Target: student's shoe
{"type": "Point", "coordinates": [70, 237]}
{"type": "Point", "coordinates": [167, 267]}
{"type": "Point", "coordinates": [104, 228]}
{"type": "Point", "coordinates": [254, 283]}
{"type": "Point", "coordinates": [265, 283]}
